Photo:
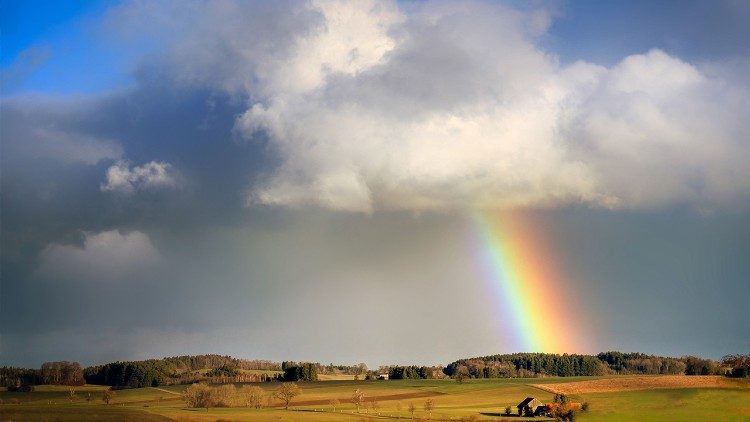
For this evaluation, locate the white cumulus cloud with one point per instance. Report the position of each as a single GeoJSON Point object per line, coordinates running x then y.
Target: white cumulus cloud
{"type": "Point", "coordinates": [121, 178]}
{"type": "Point", "coordinates": [445, 105]}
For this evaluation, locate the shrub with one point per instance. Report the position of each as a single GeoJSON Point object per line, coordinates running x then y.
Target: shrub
{"type": "Point", "coordinates": [223, 396]}
{"type": "Point", "coordinates": [197, 395]}
{"type": "Point", "coordinates": [740, 372]}
{"type": "Point", "coordinates": [561, 399]}
{"type": "Point", "coordinates": [252, 396]}
{"type": "Point", "coordinates": [563, 411]}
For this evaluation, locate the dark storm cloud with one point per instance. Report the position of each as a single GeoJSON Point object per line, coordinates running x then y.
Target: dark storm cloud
{"type": "Point", "coordinates": [52, 188]}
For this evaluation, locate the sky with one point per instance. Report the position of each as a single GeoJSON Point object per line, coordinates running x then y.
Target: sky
{"type": "Point", "coordinates": [379, 182]}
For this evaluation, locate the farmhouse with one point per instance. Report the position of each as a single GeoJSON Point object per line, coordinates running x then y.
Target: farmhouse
{"type": "Point", "coordinates": [532, 407]}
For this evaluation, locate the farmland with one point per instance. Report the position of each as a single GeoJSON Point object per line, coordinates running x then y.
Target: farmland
{"type": "Point", "coordinates": [617, 398]}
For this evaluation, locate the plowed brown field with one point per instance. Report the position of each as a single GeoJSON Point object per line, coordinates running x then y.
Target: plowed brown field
{"type": "Point", "coordinates": [628, 383]}
{"type": "Point", "coordinates": [384, 397]}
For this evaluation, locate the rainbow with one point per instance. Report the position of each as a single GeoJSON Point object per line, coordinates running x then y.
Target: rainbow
{"type": "Point", "coordinates": [537, 304]}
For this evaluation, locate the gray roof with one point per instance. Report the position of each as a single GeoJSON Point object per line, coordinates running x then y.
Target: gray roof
{"type": "Point", "coordinates": [526, 401]}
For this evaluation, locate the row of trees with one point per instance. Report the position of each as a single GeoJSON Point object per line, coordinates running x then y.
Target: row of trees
{"type": "Point", "coordinates": [410, 372]}
{"type": "Point", "coordinates": [19, 379]}
{"type": "Point", "coordinates": [544, 364]}
{"type": "Point", "coordinates": [225, 369]}
{"type": "Point", "coordinates": [180, 370]}
{"type": "Point", "coordinates": [146, 373]}
{"type": "Point", "coordinates": [59, 373]}
{"type": "Point", "coordinates": [700, 366]}
{"type": "Point", "coordinates": [526, 365]}
{"type": "Point", "coordinates": [180, 364]}
{"type": "Point", "coordinates": [640, 363]}
{"type": "Point", "coordinates": [358, 369]}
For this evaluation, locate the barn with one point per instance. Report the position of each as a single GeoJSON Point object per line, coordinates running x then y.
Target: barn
{"type": "Point", "coordinates": [532, 407]}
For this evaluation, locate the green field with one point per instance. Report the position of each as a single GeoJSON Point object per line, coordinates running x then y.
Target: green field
{"type": "Point", "coordinates": [485, 399]}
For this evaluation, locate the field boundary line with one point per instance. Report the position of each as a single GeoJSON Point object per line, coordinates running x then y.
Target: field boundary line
{"type": "Point", "coordinates": [166, 391]}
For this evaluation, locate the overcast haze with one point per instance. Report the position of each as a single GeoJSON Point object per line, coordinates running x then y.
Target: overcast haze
{"type": "Point", "coordinates": [295, 180]}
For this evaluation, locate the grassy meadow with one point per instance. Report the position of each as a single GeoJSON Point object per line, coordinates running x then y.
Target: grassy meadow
{"type": "Point", "coordinates": [473, 399]}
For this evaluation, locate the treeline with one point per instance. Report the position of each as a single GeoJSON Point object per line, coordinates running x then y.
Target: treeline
{"type": "Point", "coordinates": [192, 363]}
{"type": "Point", "coordinates": [180, 370]}
{"type": "Point", "coordinates": [60, 373]}
{"type": "Point", "coordinates": [526, 365]}
{"type": "Point", "coordinates": [640, 363]}
{"type": "Point", "coordinates": [565, 365]}
{"type": "Point", "coordinates": [358, 369]}
{"type": "Point", "coordinates": [19, 379]}
{"type": "Point", "coordinates": [146, 373]}
{"type": "Point", "coordinates": [225, 369]}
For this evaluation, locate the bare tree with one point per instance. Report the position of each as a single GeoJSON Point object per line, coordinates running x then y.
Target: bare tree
{"type": "Point", "coordinates": [64, 372]}
{"type": "Point", "coordinates": [107, 396]}
{"type": "Point", "coordinates": [287, 392]}
{"type": "Point", "coordinates": [360, 369]}
{"type": "Point", "coordinates": [334, 403]}
{"type": "Point", "coordinates": [358, 398]}
{"type": "Point", "coordinates": [428, 406]}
